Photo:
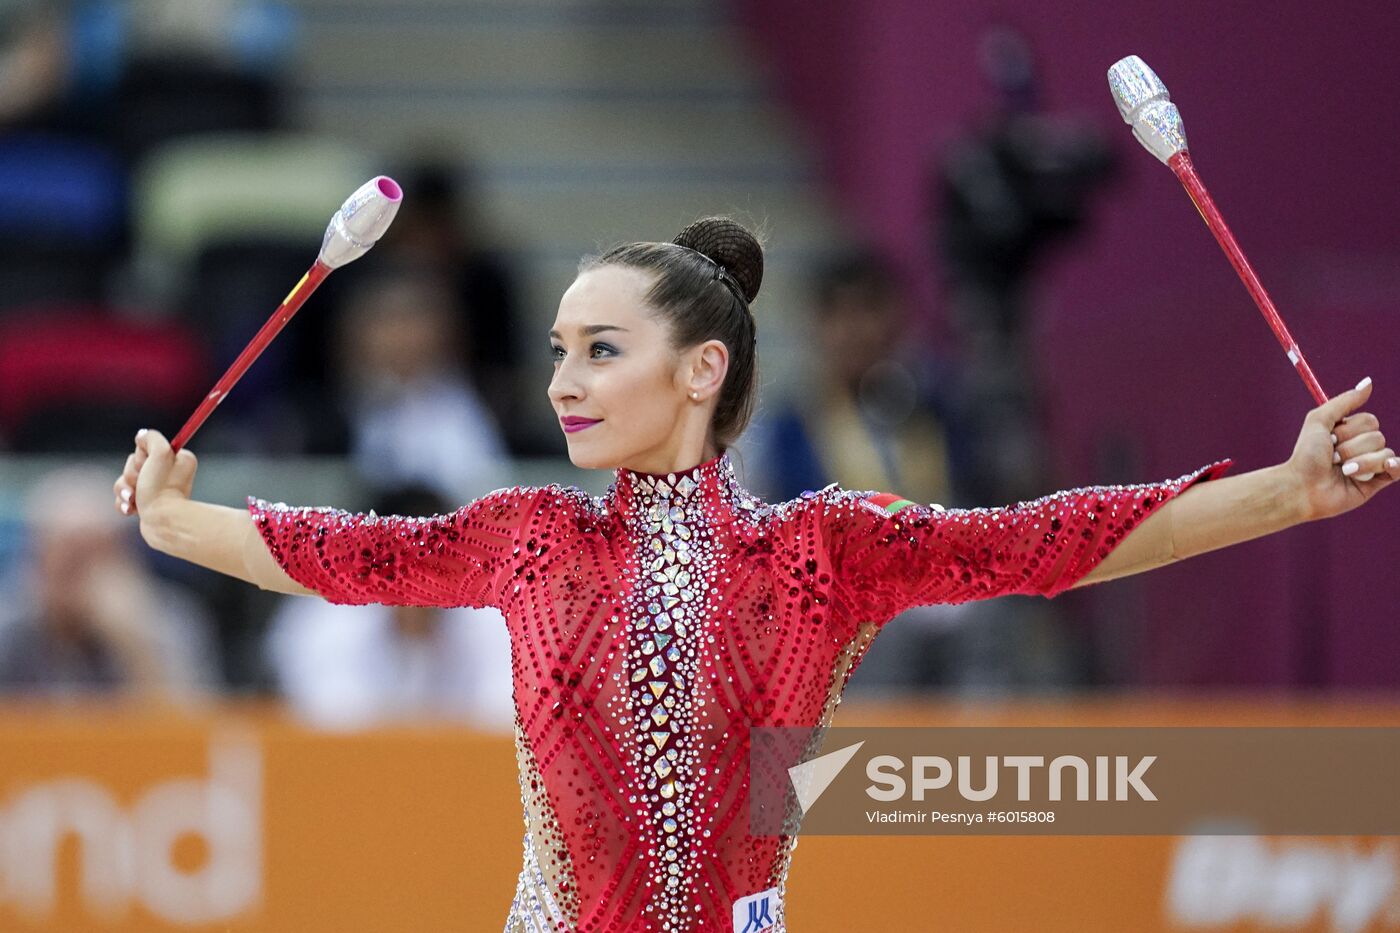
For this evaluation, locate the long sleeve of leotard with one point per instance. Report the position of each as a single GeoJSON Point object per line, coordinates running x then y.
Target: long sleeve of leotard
{"type": "Point", "coordinates": [463, 558]}
{"type": "Point", "coordinates": [889, 554]}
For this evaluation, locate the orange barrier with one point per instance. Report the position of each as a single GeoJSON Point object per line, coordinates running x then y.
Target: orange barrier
{"type": "Point", "coordinates": [239, 820]}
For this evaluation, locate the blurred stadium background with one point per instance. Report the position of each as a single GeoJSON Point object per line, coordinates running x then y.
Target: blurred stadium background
{"type": "Point", "coordinates": [978, 290]}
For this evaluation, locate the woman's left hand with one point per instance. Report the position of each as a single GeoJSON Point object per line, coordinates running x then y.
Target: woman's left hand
{"type": "Point", "coordinates": [1337, 445]}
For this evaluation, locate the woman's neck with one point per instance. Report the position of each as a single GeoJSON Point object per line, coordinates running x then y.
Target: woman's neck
{"type": "Point", "coordinates": [678, 461]}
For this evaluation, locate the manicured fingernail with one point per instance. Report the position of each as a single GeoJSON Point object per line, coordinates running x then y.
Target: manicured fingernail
{"type": "Point", "coordinates": [126, 495]}
{"type": "Point", "coordinates": [1364, 383]}
{"type": "Point", "coordinates": [126, 507]}
{"type": "Point", "coordinates": [1334, 439]}
{"type": "Point", "coordinates": [1336, 457]}
{"type": "Point", "coordinates": [1392, 463]}
{"type": "Point", "coordinates": [141, 432]}
{"type": "Point", "coordinates": [1350, 468]}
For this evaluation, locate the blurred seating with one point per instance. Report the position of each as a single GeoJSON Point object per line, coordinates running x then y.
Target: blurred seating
{"type": "Point", "coordinates": [63, 224]}
{"type": "Point", "coordinates": [232, 221]}
{"type": "Point", "coordinates": [135, 73]}
{"type": "Point", "coordinates": [160, 100]}
{"type": "Point", "coordinates": [189, 69]}
{"type": "Point", "coordinates": [56, 189]}
{"type": "Point", "coordinates": [194, 192]}
{"type": "Point", "coordinates": [82, 378]}
{"type": "Point", "coordinates": [232, 287]}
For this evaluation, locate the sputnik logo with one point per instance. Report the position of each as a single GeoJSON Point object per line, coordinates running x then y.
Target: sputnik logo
{"type": "Point", "coordinates": [811, 778]}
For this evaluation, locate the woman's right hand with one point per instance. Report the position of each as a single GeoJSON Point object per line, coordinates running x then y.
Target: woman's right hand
{"type": "Point", "coordinates": [153, 473]}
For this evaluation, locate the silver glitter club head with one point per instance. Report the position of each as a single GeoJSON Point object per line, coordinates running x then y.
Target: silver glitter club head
{"type": "Point", "coordinates": [361, 221]}
{"type": "Point", "coordinates": [1146, 106]}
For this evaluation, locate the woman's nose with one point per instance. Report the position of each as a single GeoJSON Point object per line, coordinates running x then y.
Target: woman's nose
{"type": "Point", "coordinates": [563, 385]}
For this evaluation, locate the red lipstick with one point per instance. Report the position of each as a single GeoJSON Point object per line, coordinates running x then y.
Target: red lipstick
{"type": "Point", "coordinates": [573, 423]}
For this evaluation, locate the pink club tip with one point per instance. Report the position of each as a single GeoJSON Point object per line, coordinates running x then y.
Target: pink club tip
{"type": "Point", "coordinates": [389, 188]}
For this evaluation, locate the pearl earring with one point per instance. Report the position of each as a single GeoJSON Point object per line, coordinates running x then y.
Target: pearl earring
{"type": "Point", "coordinates": [695, 395]}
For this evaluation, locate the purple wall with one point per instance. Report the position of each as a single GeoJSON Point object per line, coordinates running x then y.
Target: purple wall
{"type": "Point", "coordinates": [1144, 329]}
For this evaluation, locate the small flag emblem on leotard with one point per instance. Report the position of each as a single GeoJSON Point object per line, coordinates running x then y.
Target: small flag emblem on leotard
{"type": "Point", "coordinates": [889, 502]}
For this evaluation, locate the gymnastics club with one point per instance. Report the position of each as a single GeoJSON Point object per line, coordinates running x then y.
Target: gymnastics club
{"type": "Point", "coordinates": [357, 226]}
{"type": "Point", "coordinates": [1145, 105]}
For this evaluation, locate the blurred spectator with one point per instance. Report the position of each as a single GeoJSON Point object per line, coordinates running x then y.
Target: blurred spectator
{"type": "Point", "coordinates": [353, 666]}
{"type": "Point", "coordinates": [1008, 191]}
{"type": "Point", "coordinates": [90, 617]}
{"type": "Point", "coordinates": [883, 414]}
{"type": "Point", "coordinates": [136, 72]}
{"type": "Point", "coordinates": [33, 62]}
{"type": "Point", "coordinates": [873, 416]}
{"type": "Point", "coordinates": [876, 416]}
{"type": "Point", "coordinates": [440, 228]}
{"type": "Point", "coordinates": [412, 415]}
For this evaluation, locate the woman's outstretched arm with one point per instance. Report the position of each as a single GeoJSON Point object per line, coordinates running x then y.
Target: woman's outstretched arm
{"type": "Point", "coordinates": [218, 537]}
{"type": "Point", "coordinates": [463, 558]}
{"type": "Point", "coordinates": [1316, 482]}
{"type": "Point", "coordinates": [888, 554]}
{"type": "Point", "coordinates": [1205, 517]}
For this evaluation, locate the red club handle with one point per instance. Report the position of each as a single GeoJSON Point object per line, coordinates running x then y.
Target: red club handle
{"type": "Point", "coordinates": [289, 306]}
{"type": "Point", "coordinates": [1186, 172]}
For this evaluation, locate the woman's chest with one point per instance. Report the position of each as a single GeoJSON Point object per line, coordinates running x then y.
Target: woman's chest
{"type": "Point", "coordinates": [630, 636]}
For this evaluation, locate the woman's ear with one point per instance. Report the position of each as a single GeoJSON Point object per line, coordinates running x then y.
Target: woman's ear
{"type": "Point", "coordinates": [708, 364]}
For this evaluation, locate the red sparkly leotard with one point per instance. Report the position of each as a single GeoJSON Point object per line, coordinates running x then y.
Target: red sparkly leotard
{"type": "Point", "coordinates": [653, 627]}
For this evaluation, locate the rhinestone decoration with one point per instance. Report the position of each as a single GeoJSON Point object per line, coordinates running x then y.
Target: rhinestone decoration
{"type": "Point", "coordinates": [1133, 84]}
{"type": "Point", "coordinates": [654, 626]}
{"type": "Point", "coordinates": [1159, 128]}
{"type": "Point", "coordinates": [676, 555]}
{"type": "Point", "coordinates": [545, 894]}
{"type": "Point", "coordinates": [1145, 105]}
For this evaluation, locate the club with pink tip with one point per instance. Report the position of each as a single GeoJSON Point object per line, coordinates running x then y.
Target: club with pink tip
{"type": "Point", "coordinates": [353, 229]}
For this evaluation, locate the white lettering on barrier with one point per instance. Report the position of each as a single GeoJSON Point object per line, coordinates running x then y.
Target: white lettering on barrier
{"type": "Point", "coordinates": [130, 856]}
{"type": "Point", "coordinates": [1221, 881]}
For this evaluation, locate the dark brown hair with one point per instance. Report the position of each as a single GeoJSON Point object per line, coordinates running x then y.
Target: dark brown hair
{"type": "Point", "coordinates": [706, 279]}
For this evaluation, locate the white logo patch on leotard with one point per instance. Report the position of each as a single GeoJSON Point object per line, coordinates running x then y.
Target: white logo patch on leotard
{"type": "Point", "coordinates": [756, 912]}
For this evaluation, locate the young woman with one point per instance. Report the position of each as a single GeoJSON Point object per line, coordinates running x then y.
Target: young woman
{"type": "Point", "coordinates": [654, 626]}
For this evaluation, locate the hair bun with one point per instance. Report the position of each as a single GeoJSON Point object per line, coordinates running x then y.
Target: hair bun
{"type": "Point", "coordinates": [731, 245]}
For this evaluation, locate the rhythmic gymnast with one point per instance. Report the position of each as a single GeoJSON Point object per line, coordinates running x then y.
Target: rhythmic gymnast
{"type": "Point", "coordinates": [654, 626]}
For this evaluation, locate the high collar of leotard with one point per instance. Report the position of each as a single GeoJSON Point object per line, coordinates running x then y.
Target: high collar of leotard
{"type": "Point", "coordinates": [707, 490]}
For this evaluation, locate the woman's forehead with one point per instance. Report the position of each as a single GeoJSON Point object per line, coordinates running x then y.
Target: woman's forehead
{"type": "Point", "coordinates": [613, 295]}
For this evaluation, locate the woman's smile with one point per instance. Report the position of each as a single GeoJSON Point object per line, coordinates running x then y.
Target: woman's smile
{"type": "Point", "coordinates": [572, 423]}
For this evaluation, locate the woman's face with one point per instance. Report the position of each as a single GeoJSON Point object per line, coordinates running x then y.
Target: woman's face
{"type": "Point", "coordinates": [621, 392]}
